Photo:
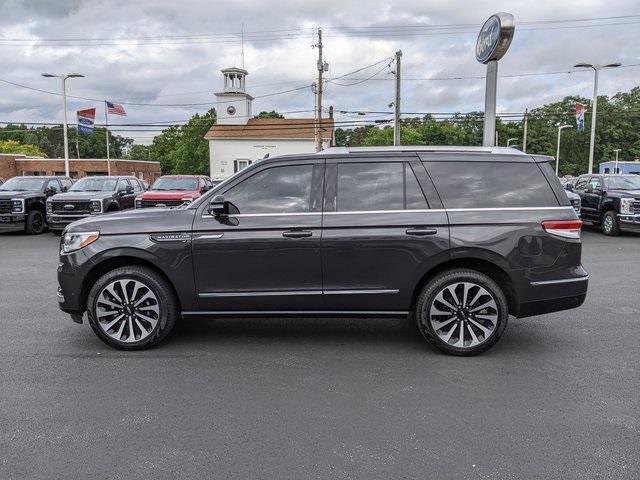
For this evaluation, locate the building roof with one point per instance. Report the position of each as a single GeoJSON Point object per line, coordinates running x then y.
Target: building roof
{"type": "Point", "coordinates": [281, 128]}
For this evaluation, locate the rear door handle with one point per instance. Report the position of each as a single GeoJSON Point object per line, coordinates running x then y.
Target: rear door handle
{"type": "Point", "coordinates": [297, 233]}
{"type": "Point", "coordinates": [421, 232]}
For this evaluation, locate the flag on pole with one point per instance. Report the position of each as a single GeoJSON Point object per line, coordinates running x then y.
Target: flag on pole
{"type": "Point", "coordinates": [86, 120]}
{"type": "Point", "coordinates": [580, 117]}
{"type": "Point", "coordinates": [115, 108]}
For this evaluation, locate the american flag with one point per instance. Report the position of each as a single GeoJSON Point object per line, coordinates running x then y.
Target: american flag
{"type": "Point", "coordinates": [115, 109]}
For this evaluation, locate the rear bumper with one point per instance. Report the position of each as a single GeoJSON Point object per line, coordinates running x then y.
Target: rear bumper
{"type": "Point", "coordinates": [555, 295]}
{"type": "Point", "coordinates": [10, 222]}
{"type": "Point", "coordinates": [629, 223]}
{"type": "Point", "coordinates": [58, 222]}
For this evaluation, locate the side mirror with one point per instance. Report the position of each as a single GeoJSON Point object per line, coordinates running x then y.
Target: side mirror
{"type": "Point", "coordinates": [588, 189]}
{"type": "Point", "coordinates": [569, 187]}
{"type": "Point", "coordinates": [129, 190]}
{"type": "Point", "coordinates": [204, 189]}
{"type": "Point", "coordinates": [218, 206]}
{"type": "Point", "coordinates": [65, 189]}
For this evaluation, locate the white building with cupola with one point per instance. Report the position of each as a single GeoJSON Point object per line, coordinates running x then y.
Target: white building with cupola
{"type": "Point", "coordinates": [238, 138]}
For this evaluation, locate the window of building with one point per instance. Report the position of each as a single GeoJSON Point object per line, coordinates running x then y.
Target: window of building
{"type": "Point", "coordinates": [491, 184]}
{"type": "Point", "coordinates": [240, 164]}
{"type": "Point", "coordinates": [285, 189]}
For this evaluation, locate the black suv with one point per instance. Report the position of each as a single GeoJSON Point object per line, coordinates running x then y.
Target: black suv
{"type": "Point", "coordinates": [92, 196]}
{"type": "Point", "coordinates": [22, 202]}
{"type": "Point", "coordinates": [457, 238]}
{"type": "Point", "coordinates": [610, 201]}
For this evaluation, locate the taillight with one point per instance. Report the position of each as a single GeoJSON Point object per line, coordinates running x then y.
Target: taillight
{"type": "Point", "coordinates": [563, 228]}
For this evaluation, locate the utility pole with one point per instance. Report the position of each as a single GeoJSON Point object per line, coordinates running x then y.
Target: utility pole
{"type": "Point", "coordinates": [319, 94]}
{"type": "Point", "coordinates": [396, 104]}
{"type": "Point", "coordinates": [617, 169]}
{"type": "Point", "coordinates": [524, 135]}
{"type": "Point", "coordinates": [560, 128]}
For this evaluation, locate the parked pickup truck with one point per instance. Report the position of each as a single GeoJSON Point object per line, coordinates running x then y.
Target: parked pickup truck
{"type": "Point", "coordinates": [610, 201]}
{"type": "Point", "coordinates": [174, 190]}
{"type": "Point", "coordinates": [22, 202]}
{"type": "Point", "coordinates": [91, 196]}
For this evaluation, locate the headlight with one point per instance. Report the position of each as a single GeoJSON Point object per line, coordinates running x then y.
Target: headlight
{"type": "Point", "coordinates": [75, 241]}
{"type": "Point", "coordinates": [626, 205]}
{"type": "Point", "coordinates": [138, 203]}
{"type": "Point", "coordinates": [96, 206]}
{"type": "Point", "coordinates": [49, 207]}
{"type": "Point", "coordinates": [187, 200]}
{"type": "Point", "coordinates": [17, 206]}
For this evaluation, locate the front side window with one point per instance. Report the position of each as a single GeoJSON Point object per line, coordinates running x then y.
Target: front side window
{"type": "Point", "coordinates": [595, 183]}
{"type": "Point", "coordinates": [491, 185]}
{"type": "Point", "coordinates": [378, 186]}
{"type": "Point", "coordinates": [285, 189]}
{"type": "Point", "coordinates": [94, 184]}
{"type": "Point", "coordinates": [581, 183]}
{"type": "Point", "coordinates": [136, 186]}
{"type": "Point", "coordinates": [54, 186]}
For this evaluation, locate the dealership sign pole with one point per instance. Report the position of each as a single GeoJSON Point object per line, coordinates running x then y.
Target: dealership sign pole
{"type": "Point", "coordinates": [493, 42]}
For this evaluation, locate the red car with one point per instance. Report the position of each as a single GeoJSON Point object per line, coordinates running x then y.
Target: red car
{"type": "Point", "coordinates": [174, 190]}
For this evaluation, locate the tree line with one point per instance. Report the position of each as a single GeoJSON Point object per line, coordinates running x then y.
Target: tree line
{"type": "Point", "coordinates": [183, 149]}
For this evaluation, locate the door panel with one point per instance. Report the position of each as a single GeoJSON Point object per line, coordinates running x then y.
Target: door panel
{"type": "Point", "coordinates": [265, 255]}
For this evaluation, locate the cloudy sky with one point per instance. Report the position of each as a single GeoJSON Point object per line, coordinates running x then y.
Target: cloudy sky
{"type": "Point", "coordinates": [169, 54]}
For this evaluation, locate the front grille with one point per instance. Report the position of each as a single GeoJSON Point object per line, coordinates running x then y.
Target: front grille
{"type": "Point", "coordinates": [576, 205]}
{"type": "Point", "coordinates": [78, 207]}
{"type": "Point", "coordinates": [5, 206]}
{"type": "Point", "coordinates": [153, 203]}
{"type": "Point", "coordinates": [635, 206]}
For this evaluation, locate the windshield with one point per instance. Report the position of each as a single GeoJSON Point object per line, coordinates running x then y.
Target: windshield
{"type": "Point", "coordinates": [627, 182]}
{"type": "Point", "coordinates": [94, 184]}
{"type": "Point", "coordinates": [21, 184]}
{"type": "Point", "coordinates": [175, 184]}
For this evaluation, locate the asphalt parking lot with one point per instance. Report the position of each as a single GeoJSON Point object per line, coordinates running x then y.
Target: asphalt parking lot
{"type": "Point", "coordinates": [308, 398]}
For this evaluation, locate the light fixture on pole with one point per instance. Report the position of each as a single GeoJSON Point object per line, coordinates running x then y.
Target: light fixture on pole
{"type": "Point", "coordinates": [617, 168]}
{"type": "Point", "coordinates": [560, 128]}
{"type": "Point", "coordinates": [509, 140]}
{"type": "Point", "coordinates": [63, 77]}
{"type": "Point", "coordinates": [596, 69]}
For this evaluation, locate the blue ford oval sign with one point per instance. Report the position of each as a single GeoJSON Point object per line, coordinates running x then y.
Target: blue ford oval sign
{"type": "Point", "coordinates": [495, 37]}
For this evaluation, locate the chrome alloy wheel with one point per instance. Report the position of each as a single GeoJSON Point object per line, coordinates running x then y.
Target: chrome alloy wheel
{"type": "Point", "coordinates": [127, 310]}
{"type": "Point", "coordinates": [607, 224]}
{"type": "Point", "coordinates": [463, 314]}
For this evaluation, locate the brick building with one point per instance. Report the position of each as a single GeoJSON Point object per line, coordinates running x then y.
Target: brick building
{"type": "Point", "coordinates": [12, 165]}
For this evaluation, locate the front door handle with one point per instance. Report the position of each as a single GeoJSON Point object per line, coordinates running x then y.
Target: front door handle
{"type": "Point", "coordinates": [297, 233]}
{"type": "Point", "coordinates": [421, 232]}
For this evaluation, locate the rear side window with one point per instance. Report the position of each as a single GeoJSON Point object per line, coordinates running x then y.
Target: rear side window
{"type": "Point", "coordinates": [378, 186]}
{"type": "Point", "coordinates": [491, 185]}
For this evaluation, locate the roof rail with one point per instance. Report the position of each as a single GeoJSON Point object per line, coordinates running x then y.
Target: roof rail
{"type": "Point", "coordinates": [424, 148]}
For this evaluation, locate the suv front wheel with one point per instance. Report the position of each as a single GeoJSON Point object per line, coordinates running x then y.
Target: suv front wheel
{"type": "Point", "coordinates": [462, 312]}
{"type": "Point", "coordinates": [132, 308]}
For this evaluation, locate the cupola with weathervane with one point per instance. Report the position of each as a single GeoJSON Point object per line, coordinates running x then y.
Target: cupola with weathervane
{"type": "Point", "coordinates": [233, 103]}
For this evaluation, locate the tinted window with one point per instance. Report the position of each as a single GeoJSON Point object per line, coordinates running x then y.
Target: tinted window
{"type": "Point", "coordinates": [274, 190]}
{"type": "Point", "coordinates": [54, 186]}
{"type": "Point", "coordinates": [491, 185]}
{"type": "Point", "coordinates": [414, 197]}
{"type": "Point", "coordinates": [594, 183]}
{"type": "Point", "coordinates": [136, 186]}
{"type": "Point", "coordinates": [370, 186]}
{"type": "Point", "coordinates": [581, 183]}
{"type": "Point", "coordinates": [122, 185]}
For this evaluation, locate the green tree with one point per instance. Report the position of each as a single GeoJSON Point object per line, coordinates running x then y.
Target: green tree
{"type": "Point", "coordinates": [271, 114]}
{"type": "Point", "coordinates": [13, 146]}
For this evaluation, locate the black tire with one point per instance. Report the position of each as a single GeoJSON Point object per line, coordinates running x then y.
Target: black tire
{"type": "Point", "coordinates": [34, 223]}
{"type": "Point", "coordinates": [168, 309]}
{"type": "Point", "coordinates": [480, 282]}
{"type": "Point", "coordinates": [610, 224]}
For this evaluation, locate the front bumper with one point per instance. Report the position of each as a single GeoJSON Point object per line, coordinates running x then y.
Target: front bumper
{"type": "Point", "coordinates": [58, 222]}
{"type": "Point", "coordinates": [72, 270]}
{"type": "Point", "coordinates": [629, 222]}
{"type": "Point", "coordinates": [12, 221]}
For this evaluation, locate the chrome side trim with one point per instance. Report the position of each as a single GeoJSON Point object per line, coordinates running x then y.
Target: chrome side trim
{"type": "Point", "coordinates": [359, 292]}
{"type": "Point", "coordinates": [362, 212]}
{"type": "Point", "coordinates": [213, 236]}
{"type": "Point", "coordinates": [259, 293]}
{"type": "Point", "coordinates": [507, 209]}
{"type": "Point", "coordinates": [555, 282]}
{"type": "Point", "coordinates": [240, 215]}
{"type": "Point", "coordinates": [296, 312]}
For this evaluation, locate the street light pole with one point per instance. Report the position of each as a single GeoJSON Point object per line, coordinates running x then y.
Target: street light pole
{"type": "Point", "coordinates": [560, 128]}
{"type": "Point", "coordinates": [63, 78]}
{"type": "Point", "coordinates": [596, 69]}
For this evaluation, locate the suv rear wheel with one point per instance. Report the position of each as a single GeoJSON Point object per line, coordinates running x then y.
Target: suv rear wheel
{"type": "Point", "coordinates": [610, 224]}
{"type": "Point", "coordinates": [132, 308]}
{"type": "Point", "coordinates": [462, 312]}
